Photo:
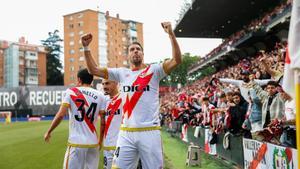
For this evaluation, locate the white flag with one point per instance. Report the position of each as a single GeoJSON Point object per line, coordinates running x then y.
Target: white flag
{"type": "Point", "coordinates": [292, 60]}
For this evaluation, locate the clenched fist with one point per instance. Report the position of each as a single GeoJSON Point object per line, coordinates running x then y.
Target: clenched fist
{"type": "Point", "coordinates": [86, 39]}
{"type": "Point", "coordinates": [167, 27]}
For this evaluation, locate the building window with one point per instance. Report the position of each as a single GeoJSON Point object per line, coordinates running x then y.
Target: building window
{"type": "Point", "coordinates": [32, 54]}
{"type": "Point", "coordinates": [71, 43]}
{"type": "Point", "coordinates": [134, 39]}
{"type": "Point", "coordinates": [80, 24]}
{"type": "Point", "coordinates": [132, 26]}
{"type": "Point", "coordinates": [71, 18]}
{"type": "Point", "coordinates": [81, 58]}
{"type": "Point", "coordinates": [80, 33]}
{"type": "Point", "coordinates": [81, 49]}
{"type": "Point", "coordinates": [71, 34]}
{"type": "Point", "coordinates": [71, 26]}
{"type": "Point", "coordinates": [71, 59]}
{"type": "Point", "coordinates": [72, 51]}
{"type": "Point", "coordinates": [72, 68]}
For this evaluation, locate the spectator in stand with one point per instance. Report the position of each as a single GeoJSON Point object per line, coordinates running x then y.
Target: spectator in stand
{"type": "Point", "coordinates": [277, 73]}
{"type": "Point", "coordinates": [272, 102]}
{"type": "Point", "coordinates": [254, 119]}
{"type": "Point", "coordinates": [237, 113]}
{"type": "Point", "coordinates": [272, 110]}
{"type": "Point", "coordinates": [206, 111]}
{"type": "Point", "coordinates": [242, 84]}
{"type": "Point", "coordinates": [288, 137]}
{"type": "Point", "coordinates": [229, 98]}
{"type": "Point", "coordinates": [197, 120]}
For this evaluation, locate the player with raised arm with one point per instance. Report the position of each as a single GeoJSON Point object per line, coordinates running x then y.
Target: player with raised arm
{"type": "Point", "coordinates": [84, 104]}
{"type": "Point", "coordinates": [140, 128]}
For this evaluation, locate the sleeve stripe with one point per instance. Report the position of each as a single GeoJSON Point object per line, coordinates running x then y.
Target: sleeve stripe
{"type": "Point", "coordinates": [66, 105]}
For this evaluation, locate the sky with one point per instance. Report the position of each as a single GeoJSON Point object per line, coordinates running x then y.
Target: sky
{"type": "Point", "coordinates": [33, 19]}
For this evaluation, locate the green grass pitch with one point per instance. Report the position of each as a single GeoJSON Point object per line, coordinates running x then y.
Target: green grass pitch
{"type": "Point", "coordinates": [22, 147]}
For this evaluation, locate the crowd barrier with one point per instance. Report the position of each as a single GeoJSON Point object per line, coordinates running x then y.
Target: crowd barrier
{"type": "Point", "coordinates": [245, 153]}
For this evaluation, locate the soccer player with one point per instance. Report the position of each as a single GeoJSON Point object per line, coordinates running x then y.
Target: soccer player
{"type": "Point", "coordinates": [84, 103]}
{"type": "Point", "coordinates": [140, 127]}
{"type": "Point", "coordinates": [110, 121]}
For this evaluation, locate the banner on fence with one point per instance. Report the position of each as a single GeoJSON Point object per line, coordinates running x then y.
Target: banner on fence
{"type": "Point", "coordinates": [42, 100]}
{"type": "Point", "coordinates": [265, 155]}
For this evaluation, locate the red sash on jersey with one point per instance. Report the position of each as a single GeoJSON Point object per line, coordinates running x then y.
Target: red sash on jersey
{"type": "Point", "coordinates": [112, 107]}
{"type": "Point", "coordinates": [142, 81]}
{"type": "Point", "coordinates": [79, 95]}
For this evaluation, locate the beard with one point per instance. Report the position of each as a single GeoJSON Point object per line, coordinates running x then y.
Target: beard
{"type": "Point", "coordinates": [136, 62]}
{"type": "Point", "coordinates": [106, 92]}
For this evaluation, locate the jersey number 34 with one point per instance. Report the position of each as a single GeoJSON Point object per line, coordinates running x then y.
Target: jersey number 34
{"type": "Point", "coordinates": [90, 112]}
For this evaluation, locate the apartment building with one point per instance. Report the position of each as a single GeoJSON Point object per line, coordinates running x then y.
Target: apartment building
{"type": "Point", "coordinates": [111, 38]}
{"type": "Point", "coordinates": [22, 64]}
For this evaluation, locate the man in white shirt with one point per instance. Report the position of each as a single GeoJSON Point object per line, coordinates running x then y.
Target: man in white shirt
{"type": "Point", "coordinates": [140, 128]}
{"type": "Point", "coordinates": [83, 104]}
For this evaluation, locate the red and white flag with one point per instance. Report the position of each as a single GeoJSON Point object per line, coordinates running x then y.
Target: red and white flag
{"type": "Point", "coordinates": [292, 61]}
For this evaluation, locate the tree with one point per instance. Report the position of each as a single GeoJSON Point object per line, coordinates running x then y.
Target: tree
{"type": "Point", "coordinates": [179, 75]}
{"type": "Point", "coordinates": [54, 66]}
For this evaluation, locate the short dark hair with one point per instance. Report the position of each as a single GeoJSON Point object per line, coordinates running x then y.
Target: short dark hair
{"type": "Point", "coordinates": [85, 76]}
{"type": "Point", "coordinates": [136, 43]}
{"type": "Point", "coordinates": [236, 94]}
{"type": "Point", "coordinates": [205, 98]}
{"type": "Point", "coordinates": [245, 72]}
{"type": "Point", "coordinates": [272, 83]}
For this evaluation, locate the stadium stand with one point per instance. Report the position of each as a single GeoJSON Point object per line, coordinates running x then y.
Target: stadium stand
{"type": "Point", "coordinates": [229, 103]}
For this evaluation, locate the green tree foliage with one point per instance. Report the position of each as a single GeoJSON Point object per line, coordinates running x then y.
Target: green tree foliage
{"type": "Point", "coordinates": [54, 66]}
{"type": "Point", "coordinates": [179, 75]}
{"type": "Point", "coordinates": [206, 71]}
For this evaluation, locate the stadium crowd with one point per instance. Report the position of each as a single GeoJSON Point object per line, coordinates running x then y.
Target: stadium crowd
{"type": "Point", "coordinates": [255, 25]}
{"type": "Point", "coordinates": [245, 99]}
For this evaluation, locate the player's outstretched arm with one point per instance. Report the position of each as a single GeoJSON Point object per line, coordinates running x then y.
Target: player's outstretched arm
{"type": "Point", "coordinates": [91, 63]}
{"type": "Point", "coordinates": [56, 121]}
{"type": "Point", "coordinates": [170, 64]}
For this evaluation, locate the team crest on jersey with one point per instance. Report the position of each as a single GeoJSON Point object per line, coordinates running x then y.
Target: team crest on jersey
{"type": "Point", "coordinates": [143, 74]}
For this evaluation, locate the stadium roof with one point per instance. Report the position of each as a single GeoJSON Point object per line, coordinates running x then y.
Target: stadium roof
{"type": "Point", "coordinates": [220, 18]}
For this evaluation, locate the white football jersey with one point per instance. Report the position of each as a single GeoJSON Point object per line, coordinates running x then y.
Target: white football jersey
{"type": "Point", "coordinates": [140, 95]}
{"type": "Point", "coordinates": [113, 118]}
{"type": "Point", "coordinates": [84, 105]}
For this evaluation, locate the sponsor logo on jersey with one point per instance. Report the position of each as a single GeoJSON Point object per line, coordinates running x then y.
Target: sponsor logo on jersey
{"type": "Point", "coordinates": [118, 112]}
{"type": "Point", "coordinates": [135, 88]}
